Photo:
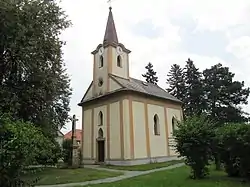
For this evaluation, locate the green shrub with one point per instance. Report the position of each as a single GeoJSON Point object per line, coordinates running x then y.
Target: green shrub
{"type": "Point", "coordinates": [50, 158]}
{"type": "Point", "coordinates": [67, 151]}
{"type": "Point", "coordinates": [235, 141]}
{"type": "Point", "coordinates": [21, 143]}
{"type": "Point", "coordinates": [194, 138]}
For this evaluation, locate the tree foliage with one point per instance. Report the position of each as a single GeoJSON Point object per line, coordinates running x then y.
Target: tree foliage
{"type": "Point", "coordinates": [176, 82]}
{"type": "Point", "coordinates": [21, 144]}
{"type": "Point", "coordinates": [194, 97]}
{"type": "Point", "coordinates": [235, 149]}
{"type": "Point", "coordinates": [224, 95]}
{"type": "Point", "coordinates": [197, 139]}
{"type": "Point", "coordinates": [34, 85]}
{"type": "Point", "coordinates": [194, 138]}
{"type": "Point", "coordinates": [150, 75]}
{"type": "Point", "coordinates": [214, 92]}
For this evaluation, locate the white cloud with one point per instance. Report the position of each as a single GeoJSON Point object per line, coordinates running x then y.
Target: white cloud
{"type": "Point", "coordinates": [89, 22]}
{"type": "Point", "coordinates": [240, 47]}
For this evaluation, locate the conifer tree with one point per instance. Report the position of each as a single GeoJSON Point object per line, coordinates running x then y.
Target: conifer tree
{"type": "Point", "coordinates": [150, 75]}
{"type": "Point", "coordinates": [194, 98]}
{"type": "Point", "coordinates": [176, 82]}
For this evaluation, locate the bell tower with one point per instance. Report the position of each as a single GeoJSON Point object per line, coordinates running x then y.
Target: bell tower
{"type": "Point", "coordinates": [110, 57]}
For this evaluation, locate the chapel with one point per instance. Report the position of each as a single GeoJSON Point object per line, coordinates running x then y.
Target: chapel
{"type": "Point", "coordinates": [125, 121]}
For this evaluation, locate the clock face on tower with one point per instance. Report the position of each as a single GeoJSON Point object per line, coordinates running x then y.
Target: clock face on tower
{"type": "Point", "coordinates": [119, 50]}
{"type": "Point", "coordinates": [101, 51]}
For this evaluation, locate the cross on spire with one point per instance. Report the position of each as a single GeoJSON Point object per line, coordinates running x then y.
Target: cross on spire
{"type": "Point", "coordinates": [109, 2]}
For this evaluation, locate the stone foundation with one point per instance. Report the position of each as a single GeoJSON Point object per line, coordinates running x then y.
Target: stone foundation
{"type": "Point", "coordinates": [138, 161]}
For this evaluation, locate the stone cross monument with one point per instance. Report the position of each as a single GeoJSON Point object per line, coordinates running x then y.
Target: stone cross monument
{"type": "Point", "coordinates": [75, 157]}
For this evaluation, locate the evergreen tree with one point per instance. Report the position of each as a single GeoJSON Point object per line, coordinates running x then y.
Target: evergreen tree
{"type": "Point", "coordinates": [194, 98]}
{"type": "Point", "coordinates": [34, 85]}
{"type": "Point", "coordinates": [224, 95]}
{"type": "Point", "coordinates": [150, 75]}
{"type": "Point", "coordinates": [176, 82]}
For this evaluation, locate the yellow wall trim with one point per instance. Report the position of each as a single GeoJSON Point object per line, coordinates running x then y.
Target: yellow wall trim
{"type": "Point", "coordinates": [131, 119]}
{"type": "Point", "coordinates": [121, 129]}
{"type": "Point", "coordinates": [108, 131]}
{"type": "Point", "coordinates": [147, 129]}
{"type": "Point", "coordinates": [110, 63]}
{"type": "Point", "coordinates": [94, 76]}
{"type": "Point", "coordinates": [128, 66]}
{"type": "Point", "coordinates": [166, 130]}
{"type": "Point", "coordinates": [92, 134]}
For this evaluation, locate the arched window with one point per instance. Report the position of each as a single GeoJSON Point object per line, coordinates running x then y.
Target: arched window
{"type": "Point", "coordinates": [100, 119]}
{"type": "Point", "coordinates": [101, 62]}
{"type": "Point", "coordinates": [156, 125]}
{"type": "Point", "coordinates": [119, 61]}
{"type": "Point", "coordinates": [100, 133]}
{"type": "Point", "coordinates": [174, 122]}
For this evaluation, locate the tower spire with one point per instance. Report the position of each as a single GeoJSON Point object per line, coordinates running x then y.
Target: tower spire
{"type": "Point", "coordinates": [110, 33]}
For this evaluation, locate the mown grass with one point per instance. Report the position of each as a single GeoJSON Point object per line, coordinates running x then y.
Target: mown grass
{"type": "Point", "coordinates": [178, 177]}
{"type": "Point", "coordinates": [51, 176]}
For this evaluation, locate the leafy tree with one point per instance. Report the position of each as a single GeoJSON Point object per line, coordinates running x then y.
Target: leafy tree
{"type": "Point", "coordinates": [194, 138]}
{"type": "Point", "coordinates": [21, 143]}
{"type": "Point", "coordinates": [224, 95]}
{"type": "Point", "coordinates": [150, 75]}
{"type": "Point", "coordinates": [34, 85]}
{"type": "Point", "coordinates": [194, 98]}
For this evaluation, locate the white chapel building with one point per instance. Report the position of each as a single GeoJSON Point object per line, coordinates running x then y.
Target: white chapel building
{"type": "Point", "coordinates": [125, 121]}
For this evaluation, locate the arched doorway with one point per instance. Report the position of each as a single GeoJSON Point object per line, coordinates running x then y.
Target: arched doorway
{"type": "Point", "coordinates": [100, 147]}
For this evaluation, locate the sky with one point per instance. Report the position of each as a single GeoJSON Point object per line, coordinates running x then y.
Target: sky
{"type": "Point", "coordinates": [163, 32]}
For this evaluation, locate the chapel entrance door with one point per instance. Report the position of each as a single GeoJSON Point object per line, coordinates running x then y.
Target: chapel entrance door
{"type": "Point", "coordinates": [100, 151]}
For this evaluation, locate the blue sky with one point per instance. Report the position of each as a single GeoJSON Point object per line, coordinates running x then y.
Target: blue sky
{"type": "Point", "coordinates": [163, 32]}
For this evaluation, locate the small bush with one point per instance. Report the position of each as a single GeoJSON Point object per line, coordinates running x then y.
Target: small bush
{"type": "Point", "coordinates": [46, 158]}
{"type": "Point", "coordinates": [67, 151]}
{"type": "Point", "coordinates": [235, 141]}
{"type": "Point", "coordinates": [21, 144]}
{"type": "Point", "coordinates": [194, 138]}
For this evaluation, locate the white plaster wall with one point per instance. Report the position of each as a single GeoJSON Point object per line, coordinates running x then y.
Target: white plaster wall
{"type": "Point", "coordinates": [140, 150]}
{"type": "Point", "coordinates": [86, 126]}
{"type": "Point", "coordinates": [120, 71]}
{"type": "Point", "coordinates": [158, 143]}
{"type": "Point", "coordinates": [115, 138]}
{"type": "Point", "coordinates": [126, 129]}
{"type": "Point", "coordinates": [170, 114]}
{"type": "Point", "coordinates": [96, 127]}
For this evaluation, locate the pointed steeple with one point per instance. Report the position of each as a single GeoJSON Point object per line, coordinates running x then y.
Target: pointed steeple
{"type": "Point", "coordinates": [110, 33]}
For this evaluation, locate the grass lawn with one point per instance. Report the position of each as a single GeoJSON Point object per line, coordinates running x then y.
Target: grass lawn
{"type": "Point", "coordinates": [145, 167]}
{"type": "Point", "coordinates": [178, 177]}
{"type": "Point", "coordinates": [61, 176]}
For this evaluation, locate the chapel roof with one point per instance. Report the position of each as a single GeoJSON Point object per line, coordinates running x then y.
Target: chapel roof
{"type": "Point", "coordinates": [134, 85]}
{"type": "Point", "coordinates": [144, 87]}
